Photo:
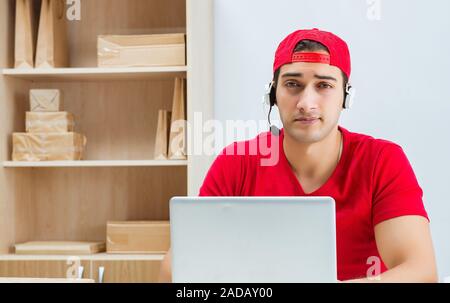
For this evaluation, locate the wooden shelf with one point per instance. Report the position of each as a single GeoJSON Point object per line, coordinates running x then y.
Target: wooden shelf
{"type": "Point", "coordinates": [93, 257]}
{"type": "Point", "coordinates": [96, 74]}
{"type": "Point", "coordinates": [110, 163]}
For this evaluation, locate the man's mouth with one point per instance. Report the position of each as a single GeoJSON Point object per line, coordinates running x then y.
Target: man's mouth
{"type": "Point", "coordinates": [307, 121]}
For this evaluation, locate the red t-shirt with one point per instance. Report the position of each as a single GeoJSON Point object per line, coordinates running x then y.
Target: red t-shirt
{"type": "Point", "coordinates": [372, 182]}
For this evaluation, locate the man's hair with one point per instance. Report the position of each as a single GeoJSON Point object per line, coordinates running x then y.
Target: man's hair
{"type": "Point", "coordinates": [308, 46]}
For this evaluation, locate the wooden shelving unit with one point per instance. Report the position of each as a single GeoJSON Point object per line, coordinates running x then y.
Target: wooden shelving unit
{"type": "Point", "coordinates": [116, 108]}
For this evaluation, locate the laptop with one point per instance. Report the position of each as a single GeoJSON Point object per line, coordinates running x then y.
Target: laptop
{"type": "Point", "coordinates": [253, 239]}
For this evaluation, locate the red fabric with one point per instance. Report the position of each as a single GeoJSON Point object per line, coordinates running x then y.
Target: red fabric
{"type": "Point", "coordinates": [338, 49]}
{"type": "Point", "coordinates": [311, 57]}
{"type": "Point", "coordinates": [372, 182]}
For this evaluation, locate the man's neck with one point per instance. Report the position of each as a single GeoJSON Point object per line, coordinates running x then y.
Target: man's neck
{"type": "Point", "coordinates": [313, 160]}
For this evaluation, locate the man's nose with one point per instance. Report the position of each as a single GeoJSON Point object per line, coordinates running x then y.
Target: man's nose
{"type": "Point", "coordinates": [307, 100]}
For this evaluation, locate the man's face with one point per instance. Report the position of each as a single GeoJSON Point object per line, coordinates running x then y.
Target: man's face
{"type": "Point", "coordinates": [309, 98]}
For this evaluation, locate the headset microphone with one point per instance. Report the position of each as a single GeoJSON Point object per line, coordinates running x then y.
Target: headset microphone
{"type": "Point", "coordinates": [267, 100]}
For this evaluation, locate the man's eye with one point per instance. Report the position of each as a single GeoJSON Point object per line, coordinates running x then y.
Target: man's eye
{"type": "Point", "coordinates": [292, 84]}
{"type": "Point", "coordinates": [325, 85]}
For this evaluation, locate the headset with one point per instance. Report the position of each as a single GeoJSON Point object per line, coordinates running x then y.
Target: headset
{"type": "Point", "coordinates": [269, 99]}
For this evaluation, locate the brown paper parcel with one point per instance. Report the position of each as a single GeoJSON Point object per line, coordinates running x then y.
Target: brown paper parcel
{"type": "Point", "coordinates": [141, 50]}
{"type": "Point", "coordinates": [48, 147]}
{"type": "Point", "coordinates": [59, 248]}
{"type": "Point", "coordinates": [45, 100]}
{"type": "Point", "coordinates": [138, 237]}
{"type": "Point", "coordinates": [49, 122]}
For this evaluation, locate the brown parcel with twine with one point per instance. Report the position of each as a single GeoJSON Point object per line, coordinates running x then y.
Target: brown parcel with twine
{"type": "Point", "coordinates": [52, 47]}
{"type": "Point", "coordinates": [59, 248]}
{"type": "Point", "coordinates": [177, 141]}
{"type": "Point", "coordinates": [141, 50]}
{"type": "Point", "coordinates": [162, 135]}
{"type": "Point", "coordinates": [138, 237]}
{"type": "Point", "coordinates": [45, 100]}
{"type": "Point", "coordinates": [49, 122]}
{"type": "Point", "coordinates": [48, 147]}
{"type": "Point", "coordinates": [24, 34]}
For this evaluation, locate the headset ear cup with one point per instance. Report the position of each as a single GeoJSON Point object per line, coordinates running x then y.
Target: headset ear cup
{"type": "Point", "coordinates": [349, 96]}
{"type": "Point", "coordinates": [345, 101]}
{"type": "Point", "coordinates": [273, 96]}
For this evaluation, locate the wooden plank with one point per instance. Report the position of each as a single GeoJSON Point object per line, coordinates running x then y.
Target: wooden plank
{"type": "Point", "coordinates": [97, 74]}
{"type": "Point", "coordinates": [113, 163]}
{"type": "Point", "coordinates": [53, 269]}
{"type": "Point", "coordinates": [43, 280]}
{"type": "Point", "coordinates": [95, 257]}
{"type": "Point", "coordinates": [129, 271]}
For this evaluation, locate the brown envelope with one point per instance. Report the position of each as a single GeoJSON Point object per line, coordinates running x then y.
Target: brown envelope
{"type": "Point", "coordinates": [45, 100]}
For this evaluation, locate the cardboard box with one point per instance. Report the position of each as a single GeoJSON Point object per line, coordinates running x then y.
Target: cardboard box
{"type": "Point", "coordinates": [45, 100]}
{"type": "Point", "coordinates": [48, 147]}
{"type": "Point", "coordinates": [138, 237]}
{"type": "Point", "coordinates": [59, 248]}
{"type": "Point", "coordinates": [49, 122]}
{"type": "Point", "coordinates": [141, 50]}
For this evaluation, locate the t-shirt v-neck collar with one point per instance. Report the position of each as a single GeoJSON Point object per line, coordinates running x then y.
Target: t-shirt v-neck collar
{"type": "Point", "coordinates": [284, 161]}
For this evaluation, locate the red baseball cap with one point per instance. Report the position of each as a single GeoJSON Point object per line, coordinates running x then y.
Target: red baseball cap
{"type": "Point", "coordinates": [339, 54]}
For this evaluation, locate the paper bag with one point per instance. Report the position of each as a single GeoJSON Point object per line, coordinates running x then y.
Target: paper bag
{"type": "Point", "coordinates": [178, 125]}
{"type": "Point", "coordinates": [45, 100]}
{"type": "Point", "coordinates": [24, 34]}
{"type": "Point", "coordinates": [52, 47]}
{"type": "Point", "coordinates": [162, 135]}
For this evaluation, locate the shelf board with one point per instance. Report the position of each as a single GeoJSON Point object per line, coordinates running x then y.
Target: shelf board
{"type": "Point", "coordinates": [110, 163]}
{"type": "Point", "coordinates": [93, 257]}
{"type": "Point", "coordinates": [96, 73]}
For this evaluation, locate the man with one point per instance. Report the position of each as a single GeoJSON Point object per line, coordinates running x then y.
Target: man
{"type": "Point", "coordinates": [380, 218]}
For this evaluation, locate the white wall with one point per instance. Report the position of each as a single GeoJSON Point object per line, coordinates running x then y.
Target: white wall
{"type": "Point", "coordinates": [401, 70]}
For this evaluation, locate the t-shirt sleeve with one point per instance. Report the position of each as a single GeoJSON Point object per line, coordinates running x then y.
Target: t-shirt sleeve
{"type": "Point", "coordinates": [224, 175]}
{"type": "Point", "coordinates": [396, 190]}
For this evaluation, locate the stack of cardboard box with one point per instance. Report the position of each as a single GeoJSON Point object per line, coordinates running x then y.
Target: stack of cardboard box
{"type": "Point", "coordinates": [49, 133]}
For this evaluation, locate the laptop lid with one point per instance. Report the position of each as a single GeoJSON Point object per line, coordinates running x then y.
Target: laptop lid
{"type": "Point", "coordinates": [253, 239]}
